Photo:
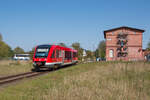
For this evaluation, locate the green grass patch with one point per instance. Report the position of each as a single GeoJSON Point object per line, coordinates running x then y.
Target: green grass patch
{"type": "Point", "coordinates": [9, 67]}
{"type": "Point", "coordinates": [90, 81]}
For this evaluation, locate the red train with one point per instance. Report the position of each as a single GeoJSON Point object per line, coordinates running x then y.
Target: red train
{"type": "Point", "coordinates": [53, 56]}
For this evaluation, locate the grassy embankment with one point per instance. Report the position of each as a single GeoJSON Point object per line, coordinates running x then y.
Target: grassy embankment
{"type": "Point", "coordinates": [91, 81]}
{"type": "Point", "coordinates": [9, 67]}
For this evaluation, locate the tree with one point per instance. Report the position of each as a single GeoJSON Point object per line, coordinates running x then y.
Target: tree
{"type": "Point", "coordinates": [148, 46]}
{"type": "Point", "coordinates": [5, 50]}
{"type": "Point", "coordinates": [101, 50]}
{"type": "Point", "coordinates": [62, 44]}
{"type": "Point", "coordinates": [32, 52]}
{"type": "Point", "coordinates": [18, 50]}
{"type": "Point", "coordinates": [1, 38]}
{"type": "Point", "coordinates": [77, 47]}
{"type": "Point", "coordinates": [89, 54]}
{"type": "Point", "coordinates": [96, 53]}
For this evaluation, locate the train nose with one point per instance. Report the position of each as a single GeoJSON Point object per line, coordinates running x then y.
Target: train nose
{"type": "Point", "coordinates": [39, 63]}
{"type": "Point", "coordinates": [41, 59]}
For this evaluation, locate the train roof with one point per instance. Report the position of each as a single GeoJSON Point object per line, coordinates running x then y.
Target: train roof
{"type": "Point", "coordinates": [45, 45]}
{"type": "Point", "coordinates": [50, 45]}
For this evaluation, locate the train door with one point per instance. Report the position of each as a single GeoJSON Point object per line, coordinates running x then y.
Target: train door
{"type": "Point", "coordinates": [63, 56]}
{"type": "Point", "coordinates": [54, 56]}
{"type": "Point", "coordinates": [57, 55]}
{"type": "Point", "coordinates": [71, 56]}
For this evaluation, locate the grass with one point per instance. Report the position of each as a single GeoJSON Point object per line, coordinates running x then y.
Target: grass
{"type": "Point", "coordinates": [9, 67]}
{"type": "Point", "coordinates": [91, 81]}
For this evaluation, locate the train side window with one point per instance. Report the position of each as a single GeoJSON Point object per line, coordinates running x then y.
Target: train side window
{"type": "Point", "coordinates": [74, 54]}
{"type": "Point", "coordinates": [65, 54]}
{"type": "Point", "coordinates": [68, 55]}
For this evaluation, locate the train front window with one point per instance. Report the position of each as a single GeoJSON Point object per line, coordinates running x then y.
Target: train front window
{"type": "Point", "coordinates": [42, 52]}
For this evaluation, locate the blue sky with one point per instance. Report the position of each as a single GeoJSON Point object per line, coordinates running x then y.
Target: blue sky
{"type": "Point", "coordinates": [27, 23]}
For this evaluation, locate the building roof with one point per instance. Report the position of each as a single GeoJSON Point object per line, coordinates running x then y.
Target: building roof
{"type": "Point", "coordinates": [123, 27]}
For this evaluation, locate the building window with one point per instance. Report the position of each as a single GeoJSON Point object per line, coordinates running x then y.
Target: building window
{"type": "Point", "coordinates": [109, 39]}
{"type": "Point", "coordinates": [111, 53]}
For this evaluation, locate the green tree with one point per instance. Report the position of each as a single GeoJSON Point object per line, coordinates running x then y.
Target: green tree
{"type": "Point", "coordinates": [31, 52]}
{"type": "Point", "coordinates": [77, 47]}
{"type": "Point", "coordinates": [96, 53]}
{"type": "Point", "coordinates": [148, 46]}
{"type": "Point", "coordinates": [1, 38]}
{"type": "Point", "coordinates": [101, 50]}
{"type": "Point", "coordinates": [89, 54]}
{"type": "Point", "coordinates": [18, 50]}
{"type": "Point", "coordinates": [62, 44]}
{"type": "Point", "coordinates": [5, 49]}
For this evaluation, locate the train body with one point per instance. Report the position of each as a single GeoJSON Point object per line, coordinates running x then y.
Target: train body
{"type": "Point", "coordinates": [52, 56]}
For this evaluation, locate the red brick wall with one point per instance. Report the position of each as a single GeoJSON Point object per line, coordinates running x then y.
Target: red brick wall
{"type": "Point", "coordinates": [134, 45]}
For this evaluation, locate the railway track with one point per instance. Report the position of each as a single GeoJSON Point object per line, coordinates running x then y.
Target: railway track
{"type": "Point", "coordinates": [12, 78]}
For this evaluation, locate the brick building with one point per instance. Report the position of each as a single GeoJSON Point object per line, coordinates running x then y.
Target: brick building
{"type": "Point", "coordinates": [124, 43]}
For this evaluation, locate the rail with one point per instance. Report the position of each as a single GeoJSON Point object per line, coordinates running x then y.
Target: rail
{"type": "Point", "coordinates": [12, 78]}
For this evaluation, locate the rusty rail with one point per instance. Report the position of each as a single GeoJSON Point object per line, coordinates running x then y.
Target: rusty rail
{"type": "Point", "coordinates": [12, 78]}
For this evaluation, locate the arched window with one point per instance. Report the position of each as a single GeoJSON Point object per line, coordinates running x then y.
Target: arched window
{"type": "Point", "coordinates": [111, 53]}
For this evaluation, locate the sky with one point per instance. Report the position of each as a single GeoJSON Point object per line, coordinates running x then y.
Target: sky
{"type": "Point", "coordinates": [27, 23]}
